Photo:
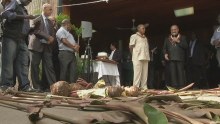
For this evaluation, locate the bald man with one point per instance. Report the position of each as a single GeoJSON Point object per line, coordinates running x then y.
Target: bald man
{"type": "Point", "coordinates": [40, 46]}
{"type": "Point", "coordinates": [175, 47]}
{"type": "Point", "coordinates": [140, 57]}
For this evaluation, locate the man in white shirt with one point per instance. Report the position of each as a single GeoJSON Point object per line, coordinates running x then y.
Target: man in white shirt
{"type": "Point", "coordinates": [67, 49]}
{"type": "Point", "coordinates": [140, 57]}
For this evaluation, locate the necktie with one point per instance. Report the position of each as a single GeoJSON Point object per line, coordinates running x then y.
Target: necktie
{"type": "Point", "coordinates": [47, 25]}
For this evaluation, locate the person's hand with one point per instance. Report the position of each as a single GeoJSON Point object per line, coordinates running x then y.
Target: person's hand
{"type": "Point", "coordinates": [30, 17]}
{"type": "Point", "coordinates": [216, 42]}
{"type": "Point", "coordinates": [176, 40]}
{"type": "Point", "coordinates": [50, 40]}
{"type": "Point", "coordinates": [76, 47]}
{"type": "Point", "coordinates": [166, 57]}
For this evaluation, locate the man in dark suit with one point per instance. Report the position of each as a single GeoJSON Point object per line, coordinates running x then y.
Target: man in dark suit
{"type": "Point", "coordinates": [175, 47]}
{"type": "Point", "coordinates": [197, 59]}
{"type": "Point", "coordinates": [41, 49]}
{"type": "Point", "coordinates": [116, 56]}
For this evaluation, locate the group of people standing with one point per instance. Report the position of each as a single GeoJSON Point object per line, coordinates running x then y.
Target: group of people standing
{"type": "Point", "coordinates": [25, 45]}
{"type": "Point", "coordinates": [185, 59]}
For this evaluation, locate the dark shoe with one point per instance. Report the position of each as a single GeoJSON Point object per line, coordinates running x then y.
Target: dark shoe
{"type": "Point", "coordinates": [5, 88]}
{"type": "Point", "coordinates": [39, 91]}
{"type": "Point", "coordinates": [28, 89]}
{"type": "Point", "coordinates": [47, 90]}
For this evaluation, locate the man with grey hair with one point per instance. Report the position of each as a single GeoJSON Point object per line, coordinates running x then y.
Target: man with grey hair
{"type": "Point", "coordinates": [215, 40]}
{"type": "Point", "coordinates": [67, 49]}
{"type": "Point", "coordinates": [175, 46]}
{"type": "Point", "coordinates": [140, 57]}
{"type": "Point", "coordinates": [41, 49]}
{"type": "Point", "coordinates": [15, 52]}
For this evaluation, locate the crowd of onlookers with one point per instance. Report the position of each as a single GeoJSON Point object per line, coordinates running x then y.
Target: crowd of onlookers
{"type": "Point", "coordinates": [182, 60]}
{"type": "Point", "coordinates": [41, 47]}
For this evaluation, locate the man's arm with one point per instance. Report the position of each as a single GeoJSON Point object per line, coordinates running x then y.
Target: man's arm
{"type": "Point", "coordinates": [10, 15]}
{"type": "Point", "coordinates": [68, 44]}
{"type": "Point", "coordinates": [165, 49]}
{"type": "Point", "coordinates": [132, 43]}
{"type": "Point", "coordinates": [38, 32]}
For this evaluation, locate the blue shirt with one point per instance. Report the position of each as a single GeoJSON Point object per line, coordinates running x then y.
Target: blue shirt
{"type": "Point", "coordinates": [63, 33]}
{"type": "Point", "coordinates": [216, 36]}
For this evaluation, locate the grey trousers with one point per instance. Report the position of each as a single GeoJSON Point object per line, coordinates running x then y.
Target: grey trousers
{"type": "Point", "coordinates": [68, 67]}
{"type": "Point", "coordinates": [48, 68]}
{"type": "Point", "coordinates": [14, 61]}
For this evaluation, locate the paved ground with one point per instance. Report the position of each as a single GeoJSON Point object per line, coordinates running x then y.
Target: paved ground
{"type": "Point", "coordinates": [11, 116]}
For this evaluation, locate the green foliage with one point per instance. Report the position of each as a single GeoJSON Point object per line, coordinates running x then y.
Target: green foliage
{"type": "Point", "coordinates": [79, 65]}
{"type": "Point", "coordinates": [37, 12]}
{"type": "Point", "coordinates": [60, 17]}
{"type": "Point", "coordinates": [77, 30]}
{"type": "Point", "coordinates": [154, 116]}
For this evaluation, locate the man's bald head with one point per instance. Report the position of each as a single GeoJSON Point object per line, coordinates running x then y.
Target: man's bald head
{"type": "Point", "coordinates": [141, 29]}
{"type": "Point", "coordinates": [66, 21]}
{"type": "Point", "coordinates": [174, 29]}
{"type": "Point", "coordinates": [67, 24]}
{"type": "Point", "coordinates": [52, 19]}
{"type": "Point", "coordinates": [47, 9]}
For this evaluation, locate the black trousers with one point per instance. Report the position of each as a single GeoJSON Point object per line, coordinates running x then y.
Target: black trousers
{"type": "Point", "coordinates": [177, 74]}
{"type": "Point", "coordinates": [197, 74]}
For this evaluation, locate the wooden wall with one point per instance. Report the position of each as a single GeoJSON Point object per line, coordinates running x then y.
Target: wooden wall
{"type": "Point", "coordinates": [35, 7]}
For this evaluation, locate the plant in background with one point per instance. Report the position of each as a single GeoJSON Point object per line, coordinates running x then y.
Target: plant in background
{"type": "Point", "coordinates": [37, 12]}
{"type": "Point", "coordinates": [77, 31]}
{"type": "Point", "coordinates": [60, 17]}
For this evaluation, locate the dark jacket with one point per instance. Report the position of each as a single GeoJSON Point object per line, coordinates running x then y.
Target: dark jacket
{"type": "Point", "coordinates": [176, 52]}
{"type": "Point", "coordinates": [117, 56]}
{"type": "Point", "coordinates": [13, 28]}
{"type": "Point", "coordinates": [199, 56]}
{"type": "Point", "coordinates": [40, 32]}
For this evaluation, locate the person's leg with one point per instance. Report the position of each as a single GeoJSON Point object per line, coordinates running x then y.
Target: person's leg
{"type": "Point", "coordinates": [180, 74]}
{"type": "Point", "coordinates": [35, 59]}
{"type": "Point", "coordinates": [144, 74]}
{"type": "Point", "coordinates": [137, 65]}
{"type": "Point", "coordinates": [72, 68]}
{"type": "Point", "coordinates": [48, 67]}
{"type": "Point", "coordinates": [64, 61]}
{"type": "Point", "coordinates": [56, 63]}
{"type": "Point", "coordinates": [173, 74]}
{"type": "Point", "coordinates": [9, 51]}
{"type": "Point", "coordinates": [44, 82]}
{"type": "Point", "coordinates": [218, 56]}
{"type": "Point", "coordinates": [0, 59]}
{"type": "Point", "coordinates": [150, 75]}
{"type": "Point", "coordinates": [189, 72]}
{"type": "Point", "coordinates": [22, 65]}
